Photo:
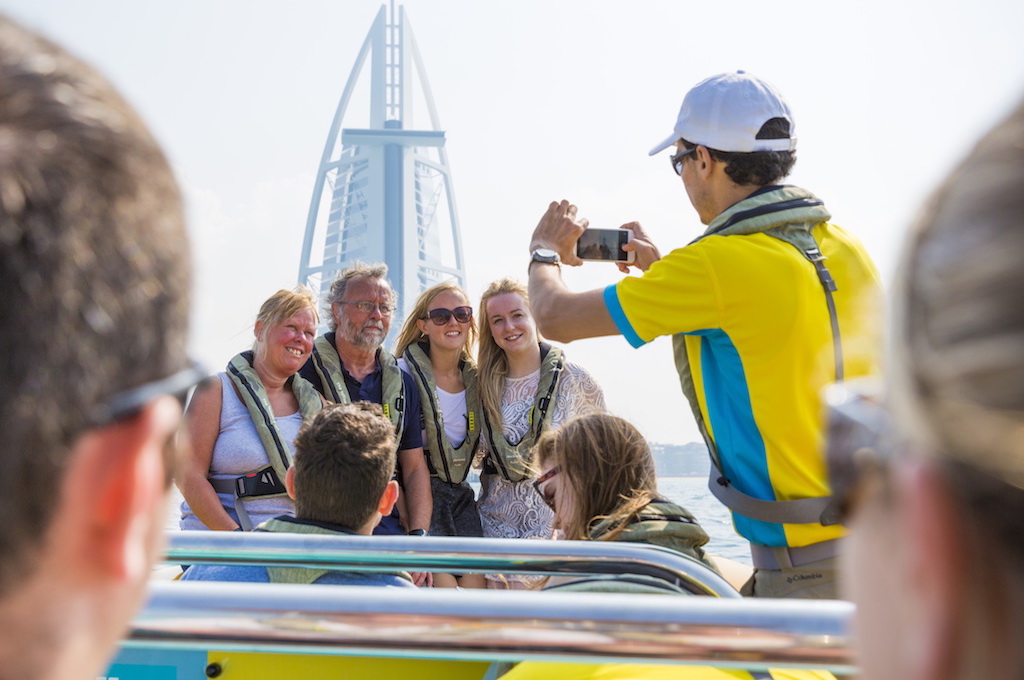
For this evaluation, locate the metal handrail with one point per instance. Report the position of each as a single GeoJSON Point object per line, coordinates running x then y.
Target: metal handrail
{"type": "Point", "coordinates": [487, 625]}
{"type": "Point", "coordinates": [444, 554]}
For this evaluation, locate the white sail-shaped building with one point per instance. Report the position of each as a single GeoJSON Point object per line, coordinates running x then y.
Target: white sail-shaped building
{"type": "Point", "coordinates": [383, 191]}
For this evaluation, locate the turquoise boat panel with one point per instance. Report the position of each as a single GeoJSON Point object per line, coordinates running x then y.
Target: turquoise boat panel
{"type": "Point", "coordinates": [157, 664]}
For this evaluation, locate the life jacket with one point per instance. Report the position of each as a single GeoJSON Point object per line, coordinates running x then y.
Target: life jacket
{"type": "Point", "coordinates": [513, 460]}
{"type": "Point", "coordinates": [659, 523]}
{"type": "Point", "coordinates": [449, 463]}
{"type": "Point", "coordinates": [327, 365]}
{"type": "Point", "coordinates": [300, 575]}
{"type": "Point", "coordinates": [269, 479]}
{"type": "Point", "coordinates": [789, 214]}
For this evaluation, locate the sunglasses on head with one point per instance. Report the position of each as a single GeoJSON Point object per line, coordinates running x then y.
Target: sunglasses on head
{"type": "Point", "coordinates": [549, 499]}
{"type": "Point", "coordinates": [861, 442]}
{"type": "Point", "coordinates": [441, 316]}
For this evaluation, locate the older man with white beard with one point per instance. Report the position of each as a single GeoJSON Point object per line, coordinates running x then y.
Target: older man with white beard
{"type": "Point", "coordinates": [348, 364]}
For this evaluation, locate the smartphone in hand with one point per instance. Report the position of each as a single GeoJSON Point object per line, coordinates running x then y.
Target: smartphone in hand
{"type": "Point", "coordinates": [605, 245]}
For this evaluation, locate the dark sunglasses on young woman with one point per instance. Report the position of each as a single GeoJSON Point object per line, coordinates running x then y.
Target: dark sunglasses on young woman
{"type": "Point", "coordinates": [441, 315]}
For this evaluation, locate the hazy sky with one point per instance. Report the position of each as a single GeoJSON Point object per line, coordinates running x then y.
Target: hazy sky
{"type": "Point", "coordinates": [542, 100]}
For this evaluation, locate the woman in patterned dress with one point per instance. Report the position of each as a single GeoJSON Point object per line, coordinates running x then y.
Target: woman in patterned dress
{"type": "Point", "coordinates": [526, 387]}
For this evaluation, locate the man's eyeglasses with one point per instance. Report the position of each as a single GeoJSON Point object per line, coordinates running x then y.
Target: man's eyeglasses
{"type": "Point", "coordinates": [677, 160]}
{"type": "Point", "coordinates": [549, 499]}
{"type": "Point", "coordinates": [441, 316]}
{"type": "Point", "coordinates": [861, 441]}
{"type": "Point", "coordinates": [127, 403]}
{"type": "Point", "coordinates": [365, 306]}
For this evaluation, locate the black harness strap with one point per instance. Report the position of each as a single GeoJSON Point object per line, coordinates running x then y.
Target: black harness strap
{"type": "Point", "coordinates": [435, 408]}
{"type": "Point", "coordinates": [324, 373]}
{"type": "Point", "coordinates": [267, 418]}
{"type": "Point", "coordinates": [828, 284]}
{"type": "Point", "coordinates": [803, 510]}
{"type": "Point", "coordinates": [538, 415]}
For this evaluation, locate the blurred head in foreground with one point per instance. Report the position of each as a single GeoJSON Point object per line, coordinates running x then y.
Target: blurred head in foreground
{"type": "Point", "coordinates": [936, 561]}
{"type": "Point", "coordinates": [94, 273]}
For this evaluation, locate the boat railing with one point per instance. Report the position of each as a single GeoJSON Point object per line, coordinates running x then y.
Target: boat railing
{"type": "Point", "coordinates": [445, 554]}
{"type": "Point", "coordinates": [478, 625]}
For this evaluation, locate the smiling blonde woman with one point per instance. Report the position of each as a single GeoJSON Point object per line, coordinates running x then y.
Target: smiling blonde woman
{"type": "Point", "coordinates": [527, 386]}
{"type": "Point", "coordinates": [245, 420]}
{"type": "Point", "coordinates": [433, 347]}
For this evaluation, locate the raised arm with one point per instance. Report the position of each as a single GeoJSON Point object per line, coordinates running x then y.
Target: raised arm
{"type": "Point", "coordinates": [561, 314]}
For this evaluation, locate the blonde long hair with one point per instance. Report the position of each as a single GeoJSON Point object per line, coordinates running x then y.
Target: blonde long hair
{"type": "Point", "coordinates": [607, 467]}
{"type": "Point", "coordinates": [410, 332]}
{"type": "Point", "coordinates": [492, 363]}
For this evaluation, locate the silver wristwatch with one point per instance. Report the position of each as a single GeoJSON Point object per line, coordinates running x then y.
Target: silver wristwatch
{"type": "Point", "coordinates": [546, 256]}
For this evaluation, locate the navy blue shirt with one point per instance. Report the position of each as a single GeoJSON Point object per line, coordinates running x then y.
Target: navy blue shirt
{"type": "Point", "coordinates": [372, 389]}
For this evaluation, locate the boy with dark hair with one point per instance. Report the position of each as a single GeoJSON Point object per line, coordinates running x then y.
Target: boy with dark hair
{"type": "Point", "coordinates": [342, 484]}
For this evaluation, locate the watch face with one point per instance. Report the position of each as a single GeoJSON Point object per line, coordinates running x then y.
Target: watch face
{"type": "Point", "coordinates": [545, 255]}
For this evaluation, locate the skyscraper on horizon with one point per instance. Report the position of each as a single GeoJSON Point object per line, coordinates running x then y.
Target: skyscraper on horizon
{"type": "Point", "coordinates": [383, 192]}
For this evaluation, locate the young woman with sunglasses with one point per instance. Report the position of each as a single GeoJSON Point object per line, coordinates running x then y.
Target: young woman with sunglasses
{"type": "Point", "coordinates": [433, 347]}
{"type": "Point", "coordinates": [526, 387]}
{"type": "Point", "coordinates": [597, 474]}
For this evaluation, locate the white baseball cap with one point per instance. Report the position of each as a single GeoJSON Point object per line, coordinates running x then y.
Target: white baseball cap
{"type": "Point", "coordinates": [727, 112]}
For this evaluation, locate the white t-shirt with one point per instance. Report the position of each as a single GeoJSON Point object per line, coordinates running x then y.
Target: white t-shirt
{"type": "Point", "coordinates": [453, 411]}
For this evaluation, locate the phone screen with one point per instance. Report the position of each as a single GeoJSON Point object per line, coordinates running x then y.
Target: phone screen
{"type": "Point", "coordinates": [603, 244]}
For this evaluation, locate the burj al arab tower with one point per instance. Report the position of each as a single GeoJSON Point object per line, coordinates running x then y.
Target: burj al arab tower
{"type": "Point", "coordinates": [383, 192]}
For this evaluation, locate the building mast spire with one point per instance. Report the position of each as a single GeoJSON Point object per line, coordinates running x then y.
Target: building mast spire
{"type": "Point", "coordinates": [384, 193]}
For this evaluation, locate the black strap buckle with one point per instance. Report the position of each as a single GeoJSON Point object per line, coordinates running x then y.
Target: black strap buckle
{"type": "Point", "coordinates": [262, 482]}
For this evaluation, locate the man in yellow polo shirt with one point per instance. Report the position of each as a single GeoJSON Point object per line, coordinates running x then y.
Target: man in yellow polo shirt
{"type": "Point", "coordinates": [771, 304]}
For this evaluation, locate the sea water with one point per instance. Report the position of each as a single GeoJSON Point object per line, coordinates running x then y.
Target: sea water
{"type": "Point", "coordinates": [690, 492]}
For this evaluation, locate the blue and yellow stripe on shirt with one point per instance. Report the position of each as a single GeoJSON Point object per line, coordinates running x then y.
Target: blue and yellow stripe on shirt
{"type": "Point", "coordinates": [759, 343]}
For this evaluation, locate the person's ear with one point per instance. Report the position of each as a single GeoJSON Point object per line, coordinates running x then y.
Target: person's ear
{"type": "Point", "coordinates": [257, 329]}
{"type": "Point", "coordinates": [113, 501]}
{"type": "Point", "coordinates": [388, 499]}
{"type": "Point", "coordinates": [422, 325]}
{"type": "Point", "coordinates": [289, 482]}
{"type": "Point", "coordinates": [937, 559]}
{"type": "Point", "coordinates": [703, 160]}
